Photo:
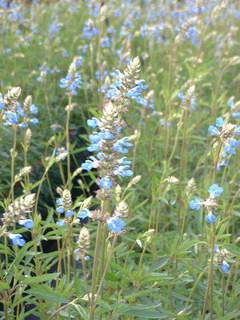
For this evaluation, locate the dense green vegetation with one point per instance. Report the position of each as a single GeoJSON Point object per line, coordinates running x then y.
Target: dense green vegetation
{"type": "Point", "coordinates": [104, 238]}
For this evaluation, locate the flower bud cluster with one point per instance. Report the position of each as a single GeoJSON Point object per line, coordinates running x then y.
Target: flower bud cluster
{"type": "Point", "coordinates": [13, 113]}
{"type": "Point", "coordinates": [17, 213]}
{"type": "Point", "coordinates": [18, 210]}
{"type": "Point", "coordinates": [83, 244]}
{"type": "Point", "coordinates": [65, 209]}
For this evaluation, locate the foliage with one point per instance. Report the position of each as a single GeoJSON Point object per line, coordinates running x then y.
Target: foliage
{"type": "Point", "coordinates": [119, 133]}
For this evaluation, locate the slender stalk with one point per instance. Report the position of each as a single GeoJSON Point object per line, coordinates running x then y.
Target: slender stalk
{"type": "Point", "coordinates": [106, 267]}
{"type": "Point", "coordinates": [41, 183]}
{"type": "Point", "coordinates": [69, 251]}
{"type": "Point", "coordinates": [209, 292]}
{"type": "Point", "coordinates": [6, 310]}
{"type": "Point", "coordinates": [142, 255]}
{"type": "Point", "coordinates": [26, 176]}
{"type": "Point", "coordinates": [223, 294]}
{"type": "Point", "coordinates": [183, 168]}
{"type": "Point", "coordinates": [13, 157]}
{"type": "Point", "coordinates": [61, 172]}
{"type": "Point", "coordinates": [69, 108]}
{"type": "Point", "coordinates": [95, 271]}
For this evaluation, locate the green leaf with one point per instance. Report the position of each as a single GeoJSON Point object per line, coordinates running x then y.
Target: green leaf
{"type": "Point", "coordinates": [39, 279]}
{"type": "Point", "coordinates": [4, 286]}
{"type": "Point", "coordinates": [47, 294]}
{"type": "Point", "coordinates": [231, 316]}
{"type": "Point", "coordinates": [142, 311]}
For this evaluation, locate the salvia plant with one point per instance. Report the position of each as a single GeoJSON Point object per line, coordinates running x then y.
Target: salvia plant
{"type": "Point", "coordinates": [119, 189]}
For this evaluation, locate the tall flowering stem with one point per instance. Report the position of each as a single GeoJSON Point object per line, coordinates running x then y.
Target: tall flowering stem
{"type": "Point", "coordinates": [210, 205]}
{"type": "Point", "coordinates": [71, 83]}
{"type": "Point", "coordinates": [187, 104]}
{"type": "Point", "coordinates": [15, 115]}
{"type": "Point", "coordinates": [111, 161]}
{"type": "Point", "coordinates": [69, 108]}
{"type": "Point", "coordinates": [13, 157]}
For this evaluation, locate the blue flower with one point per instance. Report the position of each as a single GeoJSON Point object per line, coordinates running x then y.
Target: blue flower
{"type": "Point", "coordinates": [33, 109]}
{"type": "Point", "coordinates": [123, 171]}
{"type": "Point", "coordinates": [93, 123]}
{"type": "Point", "coordinates": [106, 42]}
{"type": "Point", "coordinates": [71, 82]}
{"type": "Point", "coordinates": [4, 5]}
{"type": "Point", "coordinates": [27, 223]}
{"type": "Point", "coordinates": [195, 204]}
{"type": "Point", "coordinates": [34, 121]}
{"type": "Point", "coordinates": [124, 161]}
{"type": "Point", "coordinates": [106, 183]}
{"type": "Point", "coordinates": [83, 214]}
{"type": "Point", "coordinates": [59, 202]}
{"type": "Point", "coordinates": [10, 118]}
{"type": "Point", "coordinates": [236, 115]}
{"type": "Point", "coordinates": [69, 213]}
{"type": "Point", "coordinates": [237, 131]}
{"type": "Point", "coordinates": [229, 149]}
{"type": "Point", "coordinates": [1, 102]}
{"type": "Point", "coordinates": [115, 224]}
{"type": "Point", "coordinates": [211, 218]}
{"type": "Point", "coordinates": [94, 147]}
{"type": "Point", "coordinates": [122, 145]}
{"type": "Point", "coordinates": [54, 28]}
{"type": "Point", "coordinates": [78, 61]}
{"type": "Point", "coordinates": [181, 96]}
{"type": "Point", "coordinates": [113, 93]}
{"type": "Point", "coordinates": [136, 92]}
{"type": "Point", "coordinates": [107, 135]}
{"type": "Point", "coordinates": [223, 163]}
{"type": "Point", "coordinates": [234, 143]}
{"type": "Point", "coordinates": [219, 122]}
{"type": "Point", "coordinates": [60, 223]}
{"type": "Point", "coordinates": [225, 266]}
{"type": "Point", "coordinates": [213, 131]}
{"type": "Point", "coordinates": [215, 191]}
{"type": "Point", "coordinates": [192, 34]}
{"type": "Point", "coordinates": [89, 164]}
{"type": "Point", "coordinates": [60, 210]}
{"type": "Point", "coordinates": [89, 31]}
{"type": "Point", "coordinates": [96, 137]}
{"type": "Point", "coordinates": [101, 156]}
{"type": "Point", "coordinates": [17, 239]}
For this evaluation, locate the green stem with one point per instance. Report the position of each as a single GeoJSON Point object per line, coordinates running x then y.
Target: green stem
{"type": "Point", "coordinates": [6, 310]}
{"type": "Point", "coordinates": [69, 251]}
{"type": "Point", "coordinates": [209, 292]}
{"type": "Point", "coordinates": [95, 271]}
{"type": "Point", "coordinates": [13, 156]}
{"type": "Point", "coordinates": [223, 294]}
{"type": "Point", "coordinates": [106, 267]}
{"type": "Point", "coordinates": [69, 108]}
